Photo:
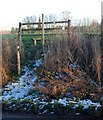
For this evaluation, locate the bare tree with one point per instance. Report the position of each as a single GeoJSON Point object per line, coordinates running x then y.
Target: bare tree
{"type": "Point", "coordinates": [29, 19]}
{"type": "Point", "coordinates": [65, 15]}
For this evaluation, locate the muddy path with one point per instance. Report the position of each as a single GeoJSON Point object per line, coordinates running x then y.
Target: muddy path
{"type": "Point", "coordinates": [28, 116]}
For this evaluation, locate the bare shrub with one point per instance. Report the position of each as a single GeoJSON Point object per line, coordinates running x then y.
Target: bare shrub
{"type": "Point", "coordinates": [64, 52]}
{"type": "Point", "coordinates": [8, 59]}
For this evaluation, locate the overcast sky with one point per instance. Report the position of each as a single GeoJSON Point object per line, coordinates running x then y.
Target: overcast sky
{"type": "Point", "coordinates": [13, 11]}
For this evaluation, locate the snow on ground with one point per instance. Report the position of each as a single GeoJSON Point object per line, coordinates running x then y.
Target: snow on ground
{"type": "Point", "coordinates": [19, 91]}
{"type": "Point", "coordinates": [22, 87]}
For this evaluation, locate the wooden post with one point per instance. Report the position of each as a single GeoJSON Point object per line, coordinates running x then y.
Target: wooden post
{"type": "Point", "coordinates": [69, 28]}
{"type": "Point", "coordinates": [18, 60]}
{"type": "Point", "coordinates": [20, 40]}
{"type": "Point", "coordinates": [102, 31]}
{"type": "Point", "coordinates": [34, 41]}
{"type": "Point", "coordinates": [102, 22]}
{"type": "Point", "coordinates": [43, 29]}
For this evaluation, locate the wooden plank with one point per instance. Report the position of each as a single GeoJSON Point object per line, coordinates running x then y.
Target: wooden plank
{"type": "Point", "coordinates": [43, 28]}
{"type": "Point", "coordinates": [38, 39]}
{"type": "Point", "coordinates": [37, 35]}
{"type": "Point", "coordinates": [27, 35]}
{"type": "Point", "coordinates": [46, 34]}
{"type": "Point", "coordinates": [37, 29]}
{"type": "Point", "coordinates": [36, 23]}
{"type": "Point", "coordinates": [18, 60]}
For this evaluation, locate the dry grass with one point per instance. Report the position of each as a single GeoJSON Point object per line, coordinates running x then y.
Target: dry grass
{"type": "Point", "coordinates": [8, 59]}
{"type": "Point", "coordinates": [64, 51]}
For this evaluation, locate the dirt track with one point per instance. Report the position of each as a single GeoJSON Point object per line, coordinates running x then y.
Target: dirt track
{"type": "Point", "coordinates": [24, 116]}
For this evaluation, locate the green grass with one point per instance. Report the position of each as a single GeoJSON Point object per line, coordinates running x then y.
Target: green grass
{"type": "Point", "coordinates": [91, 35]}
{"type": "Point", "coordinates": [8, 36]}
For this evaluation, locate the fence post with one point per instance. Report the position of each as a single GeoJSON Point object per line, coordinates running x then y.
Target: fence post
{"type": "Point", "coordinates": [20, 40]}
{"type": "Point", "coordinates": [43, 29]}
{"type": "Point", "coordinates": [34, 41]}
{"type": "Point", "coordinates": [18, 60]}
{"type": "Point", "coordinates": [102, 30]}
{"type": "Point", "coordinates": [69, 22]}
{"type": "Point", "coordinates": [102, 22]}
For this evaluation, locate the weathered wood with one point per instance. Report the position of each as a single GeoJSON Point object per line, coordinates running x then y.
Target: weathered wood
{"type": "Point", "coordinates": [102, 31]}
{"type": "Point", "coordinates": [36, 23]}
{"type": "Point", "coordinates": [20, 39]}
{"type": "Point", "coordinates": [21, 31]}
{"type": "Point", "coordinates": [69, 22]}
{"type": "Point", "coordinates": [18, 60]}
{"type": "Point", "coordinates": [43, 28]}
{"type": "Point", "coordinates": [102, 22]}
{"type": "Point", "coordinates": [36, 39]}
{"type": "Point", "coordinates": [38, 34]}
{"type": "Point", "coordinates": [38, 29]}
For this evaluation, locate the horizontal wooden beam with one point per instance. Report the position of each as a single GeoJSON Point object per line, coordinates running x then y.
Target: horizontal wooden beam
{"type": "Point", "coordinates": [27, 35]}
{"type": "Point", "coordinates": [24, 35]}
{"type": "Point", "coordinates": [36, 23]}
{"type": "Point", "coordinates": [37, 29]}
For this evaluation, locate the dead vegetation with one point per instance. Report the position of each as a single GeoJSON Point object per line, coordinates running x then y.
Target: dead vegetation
{"type": "Point", "coordinates": [72, 65]}
{"type": "Point", "coordinates": [8, 59]}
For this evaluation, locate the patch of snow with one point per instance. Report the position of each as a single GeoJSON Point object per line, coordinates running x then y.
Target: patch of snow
{"type": "Point", "coordinates": [45, 111]}
{"type": "Point", "coordinates": [14, 84]}
{"type": "Point", "coordinates": [85, 107]}
{"type": "Point", "coordinates": [51, 113]}
{"type": "Point", "coordinates": [22, 87]}
{"type": "Point", "coordinates": [38, 62]}
{"type": "Point", "coordinates": [52, 106]}
{"type": "Point", "coordinates": [36, 99]}
{"type": "Point", "coordinates": [53, 101]}
{"type": "Point", "coordinates": [34, 79]}
{"type": "Point", "coordinates": [25, 108]}
{"type": "Point", "coordinates": [41, 107]}
{"type": "Point", "coordinates": [6, 88]}
{"type": "Point", "coordinates": [20, 91]}
{"type": "Point", "coordinates": [63, 101]}
{"type": "Point", "coordinates": [77, 113]}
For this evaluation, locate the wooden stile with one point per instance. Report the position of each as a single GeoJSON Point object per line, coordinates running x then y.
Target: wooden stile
{"type": "Point", "coordinates": [21, 31]}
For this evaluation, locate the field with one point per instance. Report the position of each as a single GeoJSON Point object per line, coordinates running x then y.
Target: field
{"type": "Point", "coordinates": [62, 77]}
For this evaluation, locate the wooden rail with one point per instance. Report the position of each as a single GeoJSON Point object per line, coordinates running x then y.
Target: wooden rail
{"type": "Point", "coordinates": [24, 35]}
{"type": "Point", "coordinates": [38, 29]}
{"type": "Point", "coordinates": [37, 23]}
